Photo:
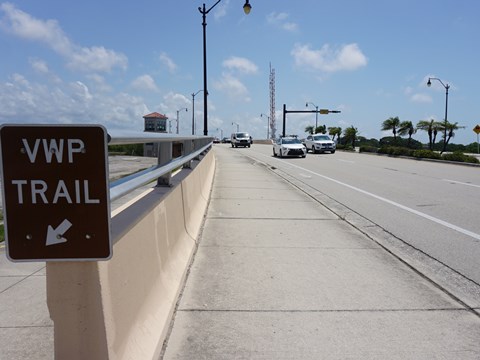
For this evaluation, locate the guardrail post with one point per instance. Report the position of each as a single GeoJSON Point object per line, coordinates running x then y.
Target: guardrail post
{"type": "Point", "coordinates": [164, 157]}
{"type": "Point", "coordinates": [187, 150]}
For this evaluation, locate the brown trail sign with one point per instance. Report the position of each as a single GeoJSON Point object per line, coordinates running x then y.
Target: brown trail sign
{"type": "Point", "coordinates": [55, 191]}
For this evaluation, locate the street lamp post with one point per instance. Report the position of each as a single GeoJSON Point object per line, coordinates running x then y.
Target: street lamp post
{"type": "Point", "coordinates": [316, 114]}
{"type": "Point", "coordinates": [246, 8]}
{"type": "Point", "coordinates": [178, 118]}
{"type": "Point", "coordinates": [446, 86]}
{"type": "Point", "coordinates": [268, 123]}
{"type": "Point", "coordinates": [238, 126]}
{"type": "Point", "coordinates": [193, 111]}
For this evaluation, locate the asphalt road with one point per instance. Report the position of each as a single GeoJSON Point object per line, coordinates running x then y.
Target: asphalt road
{"type": "Point", "coordinates": [427, 210]}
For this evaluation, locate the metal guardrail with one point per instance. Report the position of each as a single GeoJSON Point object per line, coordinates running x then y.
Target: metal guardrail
{"type": "Point", "coordinates": [162, 147]}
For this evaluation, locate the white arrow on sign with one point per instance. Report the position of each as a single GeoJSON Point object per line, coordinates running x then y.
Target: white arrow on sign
{"type": "Point", "coordinates": [55, 236]}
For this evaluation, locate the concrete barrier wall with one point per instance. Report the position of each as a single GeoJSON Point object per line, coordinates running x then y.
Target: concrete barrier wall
{"type": "Point", "coordinates": [121, 308]}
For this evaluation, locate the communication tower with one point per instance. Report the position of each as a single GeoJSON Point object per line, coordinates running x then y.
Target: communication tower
{"type": "Point", "coordinates": [273, 126]}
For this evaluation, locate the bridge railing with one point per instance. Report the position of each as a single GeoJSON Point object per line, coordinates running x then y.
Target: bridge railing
{"type": "Point", "coordinates": [122, 308]}
{"type": "Point", "coordinates": [159, 145]}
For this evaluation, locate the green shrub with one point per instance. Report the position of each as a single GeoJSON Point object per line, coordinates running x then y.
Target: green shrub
{"type": "Point", "coordinates": [133, 149]}
{"type": "Point", "coordinates": [344, 147]}
{"type": "Point", "coordinates": [395, 151]}
{"type": "Point", "coordinates": [426, 154]}
{"type": "Point", "coordinates": [369, 149]}
{"type": "Point", "coordinates": [460, 157]}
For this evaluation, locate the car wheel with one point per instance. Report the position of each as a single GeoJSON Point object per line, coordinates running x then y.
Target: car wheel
{"type": "Point", "coordinates": [313, 149]}
{"type": "Point", "coordinates": [274, 153]}
{"type": "Point", "coordinates": [231, 144]}
{"type": "Point", "coordinates": [304, 156]}
{"type": "Point", "coordinates": [333, 152]}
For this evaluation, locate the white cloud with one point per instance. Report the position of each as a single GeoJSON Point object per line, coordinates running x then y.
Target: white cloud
{"type": "Point", "coordinates": [144, 82]}
{"type": "Point", "coordinates": [289, 26]}
{"type": "Point", "coordinates": [421, 98]}
{"type": "Point", "coordinates": [346, 58]}
{"type": "Point", "coordinates": [99, 82]}
{"type": "Point", "coordinates": [175, 100]}
{"type": "Point", "coordinates": [274, 18]}
{"type": "Point", "coordinates": [24, 101]}
{"type": "Point", "coordinates": [168, 62]}
{"type": "Point", "coordinates": [280, 20]}
{"type": "Point", "coordinates": [81, 92]}
{"type": "Point", "coordinates": [241, 64]}
{"type": "Point", "coordinates": [39, 66]}
{"type": "Point", "coordinates": [417, 97]}
{"type": "Point", "coordinates": [233, 87]}
{"type": "Point", "coordinates": [95, 59]}
{"type": "Point", "coordinates": [25, 26]}
{"type": "Point", "coordinates": [221, 10]}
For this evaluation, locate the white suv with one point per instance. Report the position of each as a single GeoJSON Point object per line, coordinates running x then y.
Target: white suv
{"type": "Point", "coordinates": [320, 143]}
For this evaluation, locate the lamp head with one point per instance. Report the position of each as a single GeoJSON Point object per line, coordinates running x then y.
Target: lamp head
{"type": "Point", "coordinates": [429, 83]}
{"type": "Point", "coordinates": [247, 7]}
{"type": "Point", "coordinates": [306, 104]}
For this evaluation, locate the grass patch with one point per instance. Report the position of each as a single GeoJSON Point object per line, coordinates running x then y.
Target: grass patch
{"type": "Point", "coordinates": [2, 233]}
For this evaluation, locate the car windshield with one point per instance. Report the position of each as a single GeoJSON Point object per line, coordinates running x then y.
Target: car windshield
{"type": "Point", "coordinates": [321, 137]}
{"type": "Point", "coordinates": [242, 135]}
{"type": "Point", "coordinates": [291, 141]}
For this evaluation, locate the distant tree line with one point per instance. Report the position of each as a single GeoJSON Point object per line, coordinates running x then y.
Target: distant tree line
{"type": "Point", "coordinates": [134, 149]}
{"type": "Point", "coordinates": [350, 138]}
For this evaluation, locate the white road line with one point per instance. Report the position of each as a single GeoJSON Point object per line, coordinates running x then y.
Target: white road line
{"type": "Point", "coordinates": [400, 206]}
{"type": "Point", "coordinates": [461, 183]}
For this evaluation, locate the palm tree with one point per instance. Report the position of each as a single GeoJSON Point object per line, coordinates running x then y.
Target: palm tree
{"type": "Point", "coordinates": [310, 129]}
{"type": "Point", "coordinates": [322, 129]}
{"type": "Point", "coordinates": [350, 135]}
{"type": "Point", "coordinates": [392, 124]}
{"type": "Point", "coordinates": [431, 127]}
{"type": "Point", "coordinates": [436, 128]}
{"type": "Point", "coordinates": [334, 131]}
{"type": "Point", "coordinates": [451, 128]}
{"type": "Point", "coordinates": [406, 127]}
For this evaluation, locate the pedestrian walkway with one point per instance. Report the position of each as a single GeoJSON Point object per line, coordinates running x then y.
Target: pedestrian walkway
{"type": "Point", "coordinates": [26, 331]}
{"type": "Point", "coordinates": [279, 276]}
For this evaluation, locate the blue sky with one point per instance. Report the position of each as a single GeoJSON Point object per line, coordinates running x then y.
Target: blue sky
{"type": "Point", "coordinates": [113, 62]}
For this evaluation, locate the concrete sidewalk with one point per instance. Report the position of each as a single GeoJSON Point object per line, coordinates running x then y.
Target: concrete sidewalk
{"type": "Point", "coordinates": [279, 276]}
{"type": "Point", "coordinates": [26, 331]}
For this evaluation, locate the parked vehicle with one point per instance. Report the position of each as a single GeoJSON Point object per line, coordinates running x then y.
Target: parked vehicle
{"type": "Point", "coordinates": [289, 146]}
{"type": "Point", "coordinates": [241, 139]}
{"type": "Point", "coordinates": [319, 143]}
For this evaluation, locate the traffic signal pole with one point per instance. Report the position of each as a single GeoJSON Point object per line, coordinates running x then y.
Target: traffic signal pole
{"type": "Point", "coordinates": [320, 111]}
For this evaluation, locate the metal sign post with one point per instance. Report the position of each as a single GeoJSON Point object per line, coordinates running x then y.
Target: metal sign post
{"type": "Point", "coordinates": [476, 130]}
